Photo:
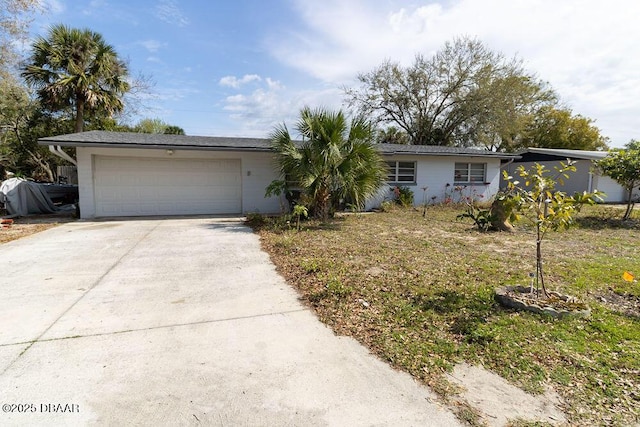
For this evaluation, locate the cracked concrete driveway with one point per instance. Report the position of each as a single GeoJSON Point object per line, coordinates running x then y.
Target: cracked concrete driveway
{"type": "Point", "coordinates": [178, 322]}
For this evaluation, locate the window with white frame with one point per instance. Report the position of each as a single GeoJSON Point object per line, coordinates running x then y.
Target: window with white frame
{"type": "Point", "coordinates": [401, 172]}
{"type": "Point", "coordinates": [470, 173]}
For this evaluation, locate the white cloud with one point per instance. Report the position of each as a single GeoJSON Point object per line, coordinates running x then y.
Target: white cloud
{"type": "Point", "coordinates": [234, 82]}
{"type": "Point", "coordinates": [53, 7]}
{"type": "Point", "coordinates": [257, 112]}
{"type": "Point", "coordinates": [152, 45]}
{"type": "Point", "coordinates": [94, 6]}
{"type": "Point", "coordinates": [168, 11]}
{"type": "Point", "coordinates": [273, 84]}
{"type": "Point", "coordinates": [587, 50]}
{"type": "Point", "coordinates": [255, 104]}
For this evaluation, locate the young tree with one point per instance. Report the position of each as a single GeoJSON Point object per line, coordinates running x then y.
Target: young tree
{"type": "Point", "coordinates": [536, 200]}
{"type": "Point", "coordinates": [335, 160]}
{"type": "Point", "coordinates": [76, 69]}
{"type": "Point", "coordinates": [463, 91]}
{"type": "Point", "coordinates": [624, 167]}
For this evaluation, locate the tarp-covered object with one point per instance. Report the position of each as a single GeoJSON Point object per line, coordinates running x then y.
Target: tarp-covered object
{"type": "Point", "coordinates": [24, 197]}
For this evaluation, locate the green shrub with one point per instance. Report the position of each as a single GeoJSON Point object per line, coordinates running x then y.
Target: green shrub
{"type": "Point", "coordinates": [403, 196]}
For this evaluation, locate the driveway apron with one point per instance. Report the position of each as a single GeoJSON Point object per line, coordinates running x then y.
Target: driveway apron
{"type": "Point", "coordinates": [178, 322]}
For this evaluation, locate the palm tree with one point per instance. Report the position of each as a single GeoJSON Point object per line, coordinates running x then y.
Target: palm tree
{"type": "Point", "coordinates": [335, 160]}
{"type": "Point", "coordinates": [77, 69]}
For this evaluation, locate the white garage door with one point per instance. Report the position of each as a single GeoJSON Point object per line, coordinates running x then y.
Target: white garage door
{"type": "Point", "coordinates": [143, 186]}
{"type": "Point", "coordinates": [614, 192]}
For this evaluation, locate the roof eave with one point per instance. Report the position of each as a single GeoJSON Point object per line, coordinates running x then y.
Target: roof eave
{"type": "Point", "coordinates": [129, 145]}
{"type": "Point", "coordinates": [567, 154]}
{"type": "Point", "coordinates": [441, 154]}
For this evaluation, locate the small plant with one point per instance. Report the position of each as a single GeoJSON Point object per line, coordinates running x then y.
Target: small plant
{"type": "Point", "coordinates": [454, 194]}
{"type": "Point", "coordinates": [487, 216]}
{"type": "Point", "coordinates": [310, 267]}
{"type": "Point", "coordinates": [338, 289]}
{"type": "Point", "coordinates": [255, 219]}
{"type": "Point", "coordinates": [403, 196]}
{"type": "Point", "coordinates": [424, 201]}
{"type": "Point", "coordinates": [387, 206]}
{"type": "Point", "coordinates": [482, 218]}
{"type": "Point", "coordinates": [298, 211]}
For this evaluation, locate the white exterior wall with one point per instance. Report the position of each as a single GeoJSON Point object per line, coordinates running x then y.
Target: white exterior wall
{"type": "Point", "coordinates": [257, 172]}
{"type": "Point", "coordinates": [434, 173]}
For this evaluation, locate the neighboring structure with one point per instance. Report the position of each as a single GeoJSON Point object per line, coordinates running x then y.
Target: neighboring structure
{"type": "Point", "coordinates": [586, 177]}
{"type": "Point", "coordinates": [135, 174]}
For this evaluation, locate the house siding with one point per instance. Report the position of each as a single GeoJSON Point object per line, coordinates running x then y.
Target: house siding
{"type": "Point", "coordinates": [433, 173]}
{"type": "Point", "coordinates": [257, 173]}
{"type": "Point", "coordinates": [578, 181]}
{"type": "Point", "coordinates": [585, 178]}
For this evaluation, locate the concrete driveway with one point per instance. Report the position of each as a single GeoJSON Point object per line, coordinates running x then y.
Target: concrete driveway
{"type": "Point", "coordinates": [178, 322]}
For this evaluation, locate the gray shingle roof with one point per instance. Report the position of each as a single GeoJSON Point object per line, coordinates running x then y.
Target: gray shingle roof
{"type": "Point", "coordinates": [97, 138]}
{"type": "Point", "coordinates": [436, 150]}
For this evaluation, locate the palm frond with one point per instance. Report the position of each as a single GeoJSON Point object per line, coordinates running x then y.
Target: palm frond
{"type": "Point", "coordinates": [336, 159]}
{"type": "Point", "coordinates": [73, 66]}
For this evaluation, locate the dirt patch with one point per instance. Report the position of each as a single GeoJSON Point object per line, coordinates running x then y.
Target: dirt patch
{"type": "Point", "coordinates": [26, 226]}
{"type": "Point", "coordinates": [499, 402]}
{"type": "Point", "coordinates": [374, 271]}
{"type": "Point", "coordinates": [626, 304]}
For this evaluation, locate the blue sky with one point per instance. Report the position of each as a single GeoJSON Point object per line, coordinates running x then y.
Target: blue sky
{"type": "Point", "coordinates": [238, 68]}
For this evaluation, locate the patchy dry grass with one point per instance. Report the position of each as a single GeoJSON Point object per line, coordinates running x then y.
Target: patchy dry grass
{"type": "Point", "coordinates": [419, 293]}
{"type": "Point", "coordinates": [27, 226]}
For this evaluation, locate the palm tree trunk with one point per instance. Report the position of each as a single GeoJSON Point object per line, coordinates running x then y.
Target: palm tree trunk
{"type": "Point", "coordinates": [323, 204]}
{"type": "Point", "coordinates": [79, 114]}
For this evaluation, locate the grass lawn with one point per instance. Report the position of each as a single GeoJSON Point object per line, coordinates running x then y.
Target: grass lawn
{"type": "Point", "coordinates": [418, 291]}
